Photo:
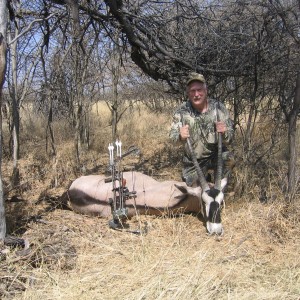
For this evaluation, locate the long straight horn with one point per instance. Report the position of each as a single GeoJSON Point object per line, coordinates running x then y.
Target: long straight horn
{"type": "Point", "coordinates": [203, 183]}
{"type": "Point", "coordinates": [220, 160]}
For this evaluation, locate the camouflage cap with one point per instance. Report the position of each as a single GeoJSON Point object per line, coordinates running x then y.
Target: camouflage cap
{"type": "Point", "coordinates": [195, 77]}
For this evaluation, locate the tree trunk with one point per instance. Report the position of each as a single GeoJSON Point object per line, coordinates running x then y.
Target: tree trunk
{"type": "Point", "coordinates": [78, 127]}
{"type": "Point", "coordinates": [115, 71]}
{"type": "Point", "coordinates": [78, 58]}
{"type": "Point", "coordinates": [292, 140]}
{"type": "Point", "coordinates": [3, 24]}
{"type": "Point", "coordinates": [16, 115]}
{"type": "Point", "coordinates": [114, 106]}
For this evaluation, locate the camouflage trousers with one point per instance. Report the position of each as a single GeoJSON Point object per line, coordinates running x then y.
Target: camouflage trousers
{"type": "Point", "coordinates": [189, 174]}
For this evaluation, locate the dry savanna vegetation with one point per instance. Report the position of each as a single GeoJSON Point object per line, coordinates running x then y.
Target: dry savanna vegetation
{"type": "Point", "coordinates": [72, 256]}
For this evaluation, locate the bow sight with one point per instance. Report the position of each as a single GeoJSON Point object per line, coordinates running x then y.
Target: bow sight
{"type": "Point", "coordinates": [120, 192]}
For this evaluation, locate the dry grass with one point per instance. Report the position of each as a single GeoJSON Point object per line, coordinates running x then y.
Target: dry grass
{"type": "Point", "coordinates": [79, 257]}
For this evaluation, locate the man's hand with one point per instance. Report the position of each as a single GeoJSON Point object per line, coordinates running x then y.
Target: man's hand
{"type": "Point", "coordinates": [221, 127]}
{"type": "Point", "coordinates": [184, 132]}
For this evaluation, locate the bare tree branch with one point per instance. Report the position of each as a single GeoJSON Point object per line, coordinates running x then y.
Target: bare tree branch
{"type": "Point", "coordinates": [29, 27]}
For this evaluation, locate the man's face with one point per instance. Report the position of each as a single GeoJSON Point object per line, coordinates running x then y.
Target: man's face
{"type": "Point", "coordinates": [197, 93]}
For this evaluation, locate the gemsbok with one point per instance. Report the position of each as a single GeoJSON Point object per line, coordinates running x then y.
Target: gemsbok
{"type": "Point", "coordinates": [91, 195]}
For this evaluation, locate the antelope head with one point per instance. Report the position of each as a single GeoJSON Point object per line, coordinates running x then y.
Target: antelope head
{"type": "Point", "coordinates": [213, 197]}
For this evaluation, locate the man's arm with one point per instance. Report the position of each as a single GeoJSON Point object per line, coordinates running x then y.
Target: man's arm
{"type": "Point", "coordinates": [226, 124]}
{"type": "Point", "coordinates": [175, 128]}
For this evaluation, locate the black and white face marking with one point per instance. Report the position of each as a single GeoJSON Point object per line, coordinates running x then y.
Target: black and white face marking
{"type": "Point", "coordinates": [213, 199]}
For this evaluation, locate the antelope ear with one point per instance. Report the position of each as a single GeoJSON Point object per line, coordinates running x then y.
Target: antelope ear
{"type": "Point", "coordinates": [223, 183]}
{"type": "Point", "coordinates": [194, 191]}
{"type": "Point", "coordinates": [182, 188]}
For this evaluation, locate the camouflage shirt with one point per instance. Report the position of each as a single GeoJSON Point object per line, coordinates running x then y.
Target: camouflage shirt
{"type": "Point", "coordinates": [202, 128]}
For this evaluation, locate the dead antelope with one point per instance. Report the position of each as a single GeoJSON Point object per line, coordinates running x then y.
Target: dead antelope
{"type": "Point", "coordinates": [91, 195]}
